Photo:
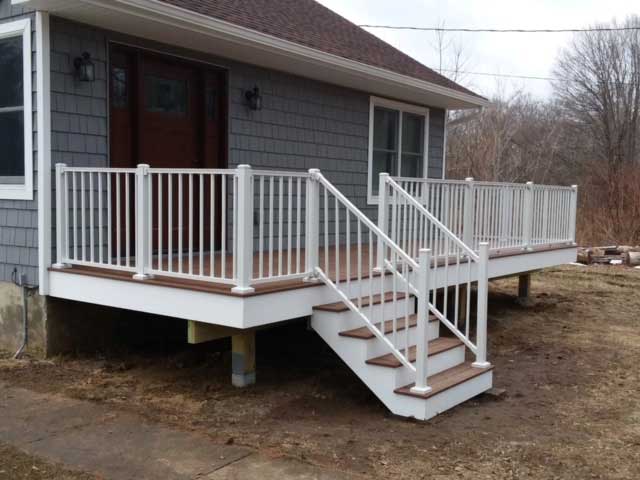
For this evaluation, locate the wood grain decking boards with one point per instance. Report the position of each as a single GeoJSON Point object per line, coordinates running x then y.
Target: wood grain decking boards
{"type": "Point", "coordinates": [445, 380]}
{"type": "Point", "coordinates": [436, 346]}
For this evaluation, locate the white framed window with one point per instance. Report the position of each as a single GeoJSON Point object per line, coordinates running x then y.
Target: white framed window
{"type": "Point", "coordinates": [16, 132]}
{"type": "Point", "coordinates": [398, 141]}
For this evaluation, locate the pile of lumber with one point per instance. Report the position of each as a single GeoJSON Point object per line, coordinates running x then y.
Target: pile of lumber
{"type": "Point", "coordinates": [613, 255]}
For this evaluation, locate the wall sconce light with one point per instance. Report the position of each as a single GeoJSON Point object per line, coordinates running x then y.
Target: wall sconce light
{"type": "Point", "coordinates": [85, 69]}
{"type": "Point", "coordinates": [254, 99]}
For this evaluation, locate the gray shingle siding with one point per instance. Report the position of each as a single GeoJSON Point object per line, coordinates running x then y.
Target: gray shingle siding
{"type": "Point", "coordinates": [303, 124]}
{"type": "Point", "coordinates": [19, 218]}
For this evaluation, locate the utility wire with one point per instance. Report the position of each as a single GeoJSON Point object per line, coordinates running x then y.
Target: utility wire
{"type": "Point", "coordinates": [523, 77]}
{"type": "Point", "coordinates": [505, 30]}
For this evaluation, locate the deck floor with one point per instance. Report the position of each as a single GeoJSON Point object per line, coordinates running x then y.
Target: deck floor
{"type": "Point", "coordinates": [290, 262]}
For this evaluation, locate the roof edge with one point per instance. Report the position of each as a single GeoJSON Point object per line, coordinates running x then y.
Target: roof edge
{"type": "Point", "coordinates": [249, 37]}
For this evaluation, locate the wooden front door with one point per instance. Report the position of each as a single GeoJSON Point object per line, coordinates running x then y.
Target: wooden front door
{"type": "Point", "coordinates": [168, 113]}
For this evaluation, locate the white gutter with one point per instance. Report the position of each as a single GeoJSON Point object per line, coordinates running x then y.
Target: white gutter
{"type": "Point", "coordinates": [164, 13]}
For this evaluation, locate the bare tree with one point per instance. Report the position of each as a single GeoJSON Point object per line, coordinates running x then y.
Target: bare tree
{"type": "Point", "coordinates": [599, 92]}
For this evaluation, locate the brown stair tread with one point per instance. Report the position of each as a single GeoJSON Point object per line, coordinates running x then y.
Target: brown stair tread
{"type": "Point", "coordinates": [436, 346]}
{"type": "Point", "coordinates": [365, 334]}
{"type": "Point", "coordinates": [342, 307]}
{"type": "Point", "coordinates": [445, 380]}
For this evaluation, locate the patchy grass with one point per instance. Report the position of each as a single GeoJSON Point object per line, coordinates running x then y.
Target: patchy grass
{"type": "Point", "coordinates": [16, 465]}
{"type": "Point", "coordinates": [568, 363]}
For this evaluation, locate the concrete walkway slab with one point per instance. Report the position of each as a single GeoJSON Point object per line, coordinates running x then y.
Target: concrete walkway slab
{"type": "Point", "coordinates": [122, 446]}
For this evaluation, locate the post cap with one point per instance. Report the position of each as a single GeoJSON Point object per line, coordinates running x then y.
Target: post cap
{"type": "Point", "coordinates": [244, 166]}
{"type": "Point", "coordinates": [529, 183]}
{"type": "Point", "coordinates": [384, 174]}
{"type": "Point", "coordinates": [468, 179]}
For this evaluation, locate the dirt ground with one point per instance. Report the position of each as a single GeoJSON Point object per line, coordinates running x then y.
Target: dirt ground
{"type": "Point", "coordinates": [15, 465]}
{"type": "Point", "coordinates": [568, 364]}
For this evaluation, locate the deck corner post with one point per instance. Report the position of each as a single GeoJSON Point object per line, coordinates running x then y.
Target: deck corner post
{"type": "Point", "coordinates": [527, 221]}
{"type": "Point", "coordinates": [422, 341]}
{"type": "Point", "coordinates": [481, 316]}
{"type": "Point", "coordinates": [312, 225]}
{"type": "Point", "coordinates": [61, 225]}
{"type": "Point", "coordinates": [143, 222]}
{"type": "Point", "coordinates": [468, 227]}
{"type": "Point", "coordinates": [573, 214]}
{"type": "Point", "coordinates": [244, 229]}
{"type": "Point", "coordinates": [383, 202]}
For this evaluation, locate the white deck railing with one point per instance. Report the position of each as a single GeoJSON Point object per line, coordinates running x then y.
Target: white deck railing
{"type": "Point", "coordinates": [505, 215]}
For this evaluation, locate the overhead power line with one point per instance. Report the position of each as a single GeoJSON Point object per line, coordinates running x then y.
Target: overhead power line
{"type": "Point", "coordinates": [523, 77]}
{"type": "Point", "coordinates": [504, 30]}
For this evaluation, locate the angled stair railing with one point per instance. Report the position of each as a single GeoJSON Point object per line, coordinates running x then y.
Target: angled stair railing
{"type": "Point", "coordinates": [453, 266]}
{"type": "Point", "coordinates": [334, 226]}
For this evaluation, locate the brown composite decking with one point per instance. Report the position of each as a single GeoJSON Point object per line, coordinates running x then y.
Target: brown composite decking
{"type": "Point", "coordinates": [274, 285]}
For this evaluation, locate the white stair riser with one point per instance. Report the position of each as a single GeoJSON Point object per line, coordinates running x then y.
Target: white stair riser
{"type": "Point", "coordinates": [458, 394]}
{"type": "Point", "coordinates": [376, 348]}
{"type": "Point", "coordinates": [436, 364]}
{"type": "Point", "coordinates": [381, 381]}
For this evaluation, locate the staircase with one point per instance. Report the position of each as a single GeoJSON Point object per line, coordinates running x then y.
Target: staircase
{"type": "Point", "coordinates": [394, 298]}
{"type": "Point", "coordinates": [452, 379]}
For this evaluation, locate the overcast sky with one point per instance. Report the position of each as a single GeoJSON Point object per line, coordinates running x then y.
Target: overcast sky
{"type": "Point", "coordinates": [530, 54]}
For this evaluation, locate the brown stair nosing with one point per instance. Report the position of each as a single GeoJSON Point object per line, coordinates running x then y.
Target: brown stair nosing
{"type": "Point", "coordinates": [439, 345]}
{"type": "Point", "coordinates": [363, 333]}
{"type": "Point", "coordinates": [342, 307]}
{"type": "Point", "coordinates": [446, 380]}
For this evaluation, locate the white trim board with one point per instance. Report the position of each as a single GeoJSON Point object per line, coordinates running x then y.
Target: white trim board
{"type": "Point", "coordinates": [181, 27]}
{"type": "Point", "coordinates": [22, 191]}
{"type": "Point", "coordinates": [401, 108]}
{"type": "Point", "coordinates": [43, 82]}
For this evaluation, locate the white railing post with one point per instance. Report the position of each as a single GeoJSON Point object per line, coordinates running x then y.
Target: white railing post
{"type": "Point", "coordinates": [468, 228]}
{"type": "Point", "coordinates": [244, 230]}
{"type": "Point", "coordinates": [383, 202]}
{"type": "Point", "coordinates": [422, 341]}
{"type": "Point", "coordinates": [482, 303]}
{"type": "Point", "coordinates": [527, 221]}
{"type": "Point", "coordinates": [312, 221]}
{"type": "Point", "coordinates": [142, 219]}
{"type": "Point", "coordinates": [61, 224]}
{"type": "Point", "coordinates": [573, 214]}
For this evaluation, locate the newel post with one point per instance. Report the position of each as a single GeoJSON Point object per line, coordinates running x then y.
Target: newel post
{"type": "Point", "coordinates": [244, 230]}
{"type": "Point", "coordinates": [481, 316]}
{"type": "Point", "coordinates": [422, 341]}
{"type": "Point", "coordinates": [312, 220]}
{"type": "Point", "coordinates": [61, 216]}
{"type": "Point", "coordinates": [383, 220]}
{"type": "Point", "coordinates": [468, 227]}
{"type": "Point", "coordinates": [527, 221]}
{"type": "Point", "coordinates": [573, 215]}
{"type": "Point", "coordinates": [143, 223]}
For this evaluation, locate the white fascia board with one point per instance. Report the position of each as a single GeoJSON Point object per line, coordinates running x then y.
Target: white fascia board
{"type": "Point", "coordinates": [159, 12]}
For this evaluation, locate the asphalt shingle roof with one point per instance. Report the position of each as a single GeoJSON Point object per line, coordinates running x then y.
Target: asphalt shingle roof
{"type": "Point", "coordinates": [311, 24]}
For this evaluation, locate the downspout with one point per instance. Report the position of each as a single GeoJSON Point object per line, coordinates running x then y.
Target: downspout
{"type": "Point", "coordinates": [27, 290]}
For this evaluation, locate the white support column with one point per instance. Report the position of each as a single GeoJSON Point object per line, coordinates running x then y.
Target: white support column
{"type": "Point", "coordinates": [468, 227]}
{"type": "Point", "coordinates": [244, 229]}
{"type": "Point", "coordinates": [481, 316]}
{"type": "Point", "coordinates": [312, 221]}
{"type": "Point", "coordinates": [383, 204]}
{"type": "Point", "coordinates": [573, 215]}
{"type": "Point", "coordinates": [143, 217]}
{"type": "Point", "coordinates": [422, 341]}
{"type": "Point", "coordinates": [527, 222]}
{"type": "Point", "coordinates": [61, 225]}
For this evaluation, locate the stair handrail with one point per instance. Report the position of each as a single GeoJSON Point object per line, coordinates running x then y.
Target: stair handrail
{"type": "Point", "coordinates": [401, 255]}
{"type": "Point", "coordinates": [481, 259]}
{"type": "Point", "coordinates": [441, 226]}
